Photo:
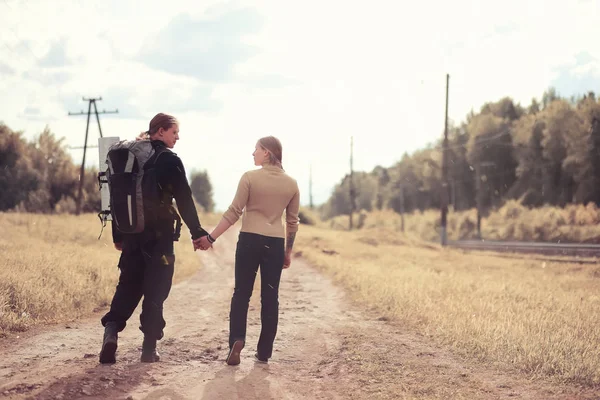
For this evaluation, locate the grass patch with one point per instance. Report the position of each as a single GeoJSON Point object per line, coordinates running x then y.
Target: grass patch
{"type": "Point", "coordinates": [513, 221]}
{"type": "Point", "coordinates": [542, 318]}
{"type": "Point", "coordinates": [54, 268]}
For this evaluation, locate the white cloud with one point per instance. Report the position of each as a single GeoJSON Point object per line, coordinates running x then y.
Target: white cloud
{"type": "Point", "coordinates": [318, 73]}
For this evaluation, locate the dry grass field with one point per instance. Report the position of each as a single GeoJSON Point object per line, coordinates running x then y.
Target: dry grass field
{"type": "Point", "coordinates": [54, 268]}
{"type": "Point", "coordinates": [541, 317]}
{"type": "Point", "coordinates": [513, 221]}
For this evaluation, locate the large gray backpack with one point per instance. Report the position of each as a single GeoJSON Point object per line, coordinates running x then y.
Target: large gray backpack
{"type": "Point", "coordinates": [135, 197]}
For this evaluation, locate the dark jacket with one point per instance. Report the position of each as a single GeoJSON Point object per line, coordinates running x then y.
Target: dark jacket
{"type": "Point", "coordinates": [173, 184]}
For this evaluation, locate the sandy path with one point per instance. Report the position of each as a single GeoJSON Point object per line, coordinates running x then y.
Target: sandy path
{"type": "Point", "coordinates": [326, 348]}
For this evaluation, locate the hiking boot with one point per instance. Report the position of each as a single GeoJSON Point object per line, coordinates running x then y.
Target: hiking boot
{"type": "Point", "coordinates": [149, 353]}
{"type": "Point", "coordinates": [234, 353]}
{"type": "Point", "coordinates": [109, 344]}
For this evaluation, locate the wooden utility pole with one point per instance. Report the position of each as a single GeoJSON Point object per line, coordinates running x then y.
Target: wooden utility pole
{"type": "Point", "coordinates": [352, 191]}
{"type": "Point", "coordinates": [444, 188]}
{"type": "Point", "coordinates": [91, 102]}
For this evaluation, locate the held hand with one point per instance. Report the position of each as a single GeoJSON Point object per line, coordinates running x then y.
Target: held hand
{"type": "Point", "coordinates": [202, 243]}
{"type": "Point", "coordinates": [196, 243]}
{"type": "Point", "coordinates": [119, 246]}
{"type": "Point", "coordinates": [287, 260]}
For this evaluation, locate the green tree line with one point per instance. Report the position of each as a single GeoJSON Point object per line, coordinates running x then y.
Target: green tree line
{"type": "Point", "coordinates": [545, 153]}
{"type": "Point", "coordinates": [39, 176]}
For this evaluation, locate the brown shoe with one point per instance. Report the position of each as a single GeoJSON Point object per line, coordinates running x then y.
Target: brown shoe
{"type": "Point", "coordinates": [234, 354]}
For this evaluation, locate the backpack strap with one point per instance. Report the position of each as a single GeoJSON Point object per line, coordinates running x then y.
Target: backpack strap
{"type": "Point", "coordinates": [102, 215]}
{"type": "Point", "coordinates": [158, 150]}
{"type": "Point", "coordinates": [177, 232]}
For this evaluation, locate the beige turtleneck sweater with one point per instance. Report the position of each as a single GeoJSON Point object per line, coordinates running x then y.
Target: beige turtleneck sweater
{"type": "Point", "coordinates": [262, 196]}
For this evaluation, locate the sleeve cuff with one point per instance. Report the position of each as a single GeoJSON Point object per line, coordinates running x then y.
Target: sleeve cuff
{"type": "Point", "coordinates": [198, 233]}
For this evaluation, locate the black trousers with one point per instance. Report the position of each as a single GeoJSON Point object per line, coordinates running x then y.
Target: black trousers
{"type": "Point", "coordinates": [147, 265]}
{"type": "Point", "coordinates": [252, 251]}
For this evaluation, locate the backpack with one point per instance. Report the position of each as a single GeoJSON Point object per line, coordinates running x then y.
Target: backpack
{"type": "Point", "coordinates": [135, 198]}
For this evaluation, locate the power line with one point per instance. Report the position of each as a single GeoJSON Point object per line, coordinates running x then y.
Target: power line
{"type": "Point", "coordinates": [477, 142]}
{"type": "Point", "coordinates": [91, 102]}
{"type": "Point", "coordinates": [507, 172]}
{"type": "Point", "coordinates": [406, 181]}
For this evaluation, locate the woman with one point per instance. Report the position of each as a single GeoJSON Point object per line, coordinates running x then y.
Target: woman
{"type": "Point", "coordinates": [262, 195]}
{"type": "Point", "coordinates": [147, 260]}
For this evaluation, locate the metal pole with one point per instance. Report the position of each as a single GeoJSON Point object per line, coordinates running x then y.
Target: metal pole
{"type": "Point", "coordinates": [82, 170]}
{"type": "Point", "coordinates": [97, 117]}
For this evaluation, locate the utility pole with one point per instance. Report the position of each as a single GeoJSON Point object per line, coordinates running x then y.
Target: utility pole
{"type": "Point", "coordinates": [352, 191]}
{"type": "Point", "coordinates": [91, 102]}
{"type": "Point", "coordinates": [444, 188]}
{"type": "Point", "coordinates": [310, 194]}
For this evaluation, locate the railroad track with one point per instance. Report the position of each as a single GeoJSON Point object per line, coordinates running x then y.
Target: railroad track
{"type": "Point", "coordinates": [557, 249]}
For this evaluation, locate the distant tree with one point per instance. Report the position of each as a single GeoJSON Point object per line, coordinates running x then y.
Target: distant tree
{"type": "Point", "coordinates": [490, 150]}
{"type": "Point", "coordinates": [561, 139]}
{"type": "Point", "coordinates": [40, 177]}
{"type": "Point", "coordinates": [366, 186]}
{"type": "Point", "coordinates": [549, 96]}
{"type": "Point", "coordinates": [534, 107]}
{"type": "Point", "coordinates": [461, 172]}
{"type": "Point", "coordinates": [583, 161]}
{"type": "Point", "coordinates": [545, 153]}
{"type": "Point", "coordinates": [202, 190]}
{"type": "Point", "coordinates": [59, 176]}
{"type": "Point", "coordinates": [383, 179]}
{"type": "Point", "coordinates": [17, 175]}
{"type": "Point", "coordinates": [528, 133]}
{"type": "Point", "coordinates": [504, 108]}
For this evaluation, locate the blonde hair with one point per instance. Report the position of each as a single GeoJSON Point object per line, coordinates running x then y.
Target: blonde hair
{"type": "Point", "coordinates": [273, 146]}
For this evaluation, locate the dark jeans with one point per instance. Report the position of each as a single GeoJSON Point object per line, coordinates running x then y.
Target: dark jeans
{"type": "Point", "coordinates": [268, 252]}
{"type": "Point", "coordinates": [147, 267]}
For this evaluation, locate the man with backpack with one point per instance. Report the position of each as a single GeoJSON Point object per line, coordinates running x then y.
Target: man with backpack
{"type": "Point", "coordinates": [144, 176]}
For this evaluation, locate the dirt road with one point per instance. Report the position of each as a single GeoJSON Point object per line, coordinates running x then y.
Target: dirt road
{"type": "Point", "coordinates": [326, 348]}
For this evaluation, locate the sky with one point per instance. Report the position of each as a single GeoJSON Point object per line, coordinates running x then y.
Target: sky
{"type": "Point", "coordinates": [312, 73]}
